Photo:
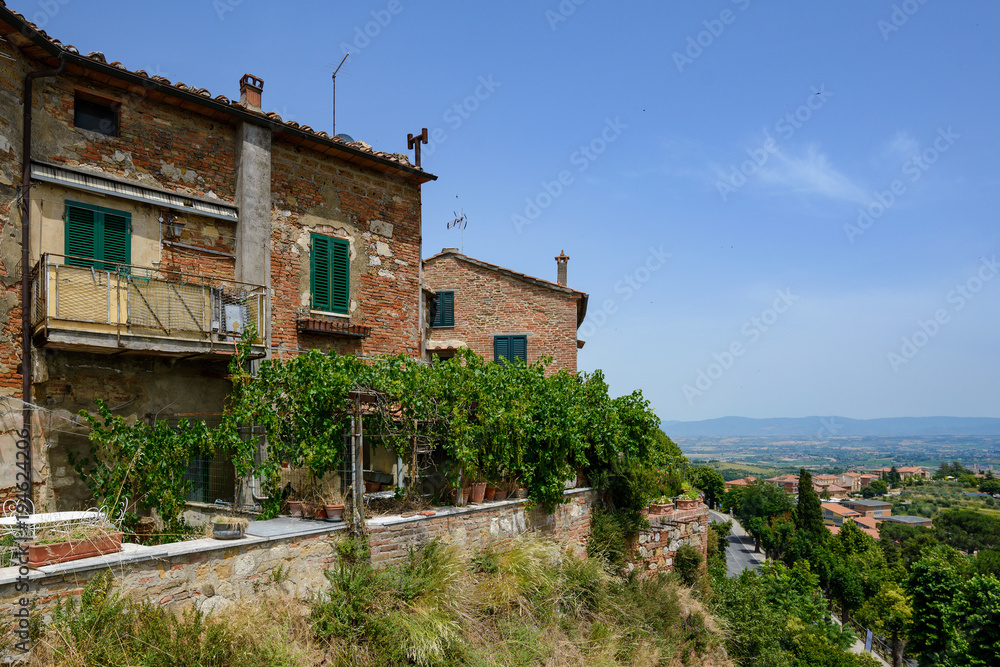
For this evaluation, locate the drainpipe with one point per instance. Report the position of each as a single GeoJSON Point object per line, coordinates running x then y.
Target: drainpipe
{"type": "Point", "coordinates": [26, 256]}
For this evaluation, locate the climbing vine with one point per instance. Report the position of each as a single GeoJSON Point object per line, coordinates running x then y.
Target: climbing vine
{"type": "Point", "coordinates": [510, 422]}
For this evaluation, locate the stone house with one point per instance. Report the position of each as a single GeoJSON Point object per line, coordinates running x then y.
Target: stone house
{"type": "Point", "coordinates": [790, 483]}
{"type": "Point", "coordinates": [499, 313]}
{"type": "Point", "coordinates": [162, 221]}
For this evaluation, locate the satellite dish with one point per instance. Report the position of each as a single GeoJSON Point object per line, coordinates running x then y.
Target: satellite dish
{"type": "Point", "coordinates": [346, 137]}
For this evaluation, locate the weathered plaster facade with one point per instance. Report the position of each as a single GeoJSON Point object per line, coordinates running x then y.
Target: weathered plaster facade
{"type": "Point", "coordinates": [277, 181]}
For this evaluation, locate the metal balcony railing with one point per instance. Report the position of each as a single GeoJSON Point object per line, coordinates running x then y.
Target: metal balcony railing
{"type": "Point", "coordinates": [84, 295]}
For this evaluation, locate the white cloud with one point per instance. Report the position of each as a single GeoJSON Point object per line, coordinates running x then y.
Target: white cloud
{"type": "Point", "coordinates": [810, 173]}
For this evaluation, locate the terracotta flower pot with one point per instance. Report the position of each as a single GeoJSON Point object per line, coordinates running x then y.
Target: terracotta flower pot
{"type": "Point", "coordinates": [521, 494]}
{"type": "Point", "coordinates": [491, 492]}
{"type": "Point", "coordinates": [466, 492]}
{"type": "Point", "coordinates": [657, 509]}
{"type": "Point", "coordinates": [307, 509]}
{"type": "Point", "coordinates": [319, 512]}
{"type": "Point", "coordinates": [334, 512]}
{"type": "Point", "coordinates": [686, 503]}
{"type": "Point", "coordinates": [372, 487]}
{"type": "Point", "coordinates": [295, 508]}
{"type": "Point", "coordinates": [478, 492]}
{"type": "Point", "coordinates": [61, 552]}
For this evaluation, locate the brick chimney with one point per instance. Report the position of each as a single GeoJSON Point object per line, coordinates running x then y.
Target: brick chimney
{"type": "Point", "coordinates": [561, 262]}
{"type": "Point", "coordinates": [250, 89]}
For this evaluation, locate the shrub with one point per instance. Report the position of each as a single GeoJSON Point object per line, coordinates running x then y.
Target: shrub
{"type": "Point", "coordinates": [607, 541]}
{"type": "Point", "coordinates": [687, 562]}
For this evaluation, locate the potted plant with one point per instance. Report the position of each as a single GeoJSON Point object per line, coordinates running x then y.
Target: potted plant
{"type": "Point", "coordinates": [61, 545]}
{"type": "Point", "coordinates": [295, 508]}
{"type": "Point", "coordinates": [229, 527]}
{"type": "Point", "coordinates": [491, 491]}
{"type": "Point", "coordinates": [688, 500]}
{"type": "Point", "coordinates": [478, 492]}
{"type": "Point", "coordinates": [660, 506]}
{"type": "Point", "coordinates": [334, 506]}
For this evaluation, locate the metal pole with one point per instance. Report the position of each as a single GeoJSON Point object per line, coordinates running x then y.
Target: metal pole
{"type": "Point", "coordinates": [334, 133]}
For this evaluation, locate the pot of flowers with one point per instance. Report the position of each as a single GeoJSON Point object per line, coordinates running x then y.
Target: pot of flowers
{"type": "Point", "coordinates": [295, 508]}
{"type": "Point", "coordinates": [229, 527]}
{"type": "Point", "coordinates": [688, 500]}
{"type": "Point", "coordinates": [491, 491]}
{"type": "Point", "coordinates": [660, 506]}
{"type": "Point", "coordinates": [334, 506]}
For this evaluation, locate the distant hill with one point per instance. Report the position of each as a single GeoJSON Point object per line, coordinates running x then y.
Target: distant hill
{"type": "Point", "coordinates": [826, 427]}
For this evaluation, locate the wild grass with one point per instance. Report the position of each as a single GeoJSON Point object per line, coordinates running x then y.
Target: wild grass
{"type": "Point", "coordinates": [530, 604]}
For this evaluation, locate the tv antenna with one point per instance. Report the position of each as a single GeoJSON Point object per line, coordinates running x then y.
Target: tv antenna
{"type": "Point", "coordinates": [461, 221]}
{"type": "Point", "coordinates": [334, 132]}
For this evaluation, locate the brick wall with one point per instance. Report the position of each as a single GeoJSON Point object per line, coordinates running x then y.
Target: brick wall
{"type": "Point", "coordinates": [211, 574]}
{"type": "Point", "coordinates": [488, 302]}
{"type": "Point", "coordinates": [654, 549]}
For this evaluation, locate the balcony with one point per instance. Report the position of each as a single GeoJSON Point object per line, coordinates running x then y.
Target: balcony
{"type": "Point", "coordinates": [108, 308]}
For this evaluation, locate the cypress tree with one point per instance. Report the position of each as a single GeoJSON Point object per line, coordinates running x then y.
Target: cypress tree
{"type": "Point", "coordinates": [808, 513]}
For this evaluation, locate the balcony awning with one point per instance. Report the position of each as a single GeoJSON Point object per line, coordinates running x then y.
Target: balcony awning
{"type": "Point", "coordinates": [104, 185]}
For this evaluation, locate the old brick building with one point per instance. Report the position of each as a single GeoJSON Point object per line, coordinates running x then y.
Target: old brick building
{"type": "Point", "coordinates": [163, 221]}
{"type": "Point", "coordinates": [502, 314]}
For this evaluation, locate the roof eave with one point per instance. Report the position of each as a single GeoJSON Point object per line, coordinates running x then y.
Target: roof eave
{"type": "Point", "coordinates": [238, 112]}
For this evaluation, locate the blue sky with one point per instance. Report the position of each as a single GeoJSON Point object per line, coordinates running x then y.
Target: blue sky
{"type": "Point", "coordinates": [705, 165]}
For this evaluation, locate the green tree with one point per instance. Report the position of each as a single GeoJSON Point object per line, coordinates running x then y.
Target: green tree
{"type": "Point", "coordinates": [759, 503]}
{"type": "Point", "coordinates": [933, 583]}
{"type": "Point", "coordinates": [889, 613]}
{"type": "Point", "coordinates": [978, 607]}
{"type": "Point", "coordinates": [990, 485]}
{"type": "Point", "coordinates": [969, 481]}
{"type": "Point", "coordinates": [710, 481]}
{"type": "Point", "coordinates": [811, 533]}
{"type": "Point", "coordinates": [894, 479]}
{"type": "Point", "coordinates": [877, 487]}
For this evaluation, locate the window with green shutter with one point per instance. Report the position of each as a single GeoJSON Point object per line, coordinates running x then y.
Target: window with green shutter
{"type": "Point", "coordinates": [329, 274]}
{"type": "Point", "coordinates": [509, 348]}
{"type": "Point", "coordinates": [444, 309]}
{"type": "Point", "coordinates": [97, 237]}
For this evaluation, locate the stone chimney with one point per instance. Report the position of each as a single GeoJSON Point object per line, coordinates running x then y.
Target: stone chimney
{"type": "Point", "coordinates": [444, 250]}
{"type": "Point", "coordinates": [561, 262]}
{"type": "Point", "coordinates": [250, 89]}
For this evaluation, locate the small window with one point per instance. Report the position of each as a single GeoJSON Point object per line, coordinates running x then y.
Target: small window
{"type": "Point", "coordinates": [96, 116]}
{"type": "Point", "coordinates": [443, 314]}
{"type": "Point", "coordinates": [509, 348]}
{"type": "Point", "coordinates": [330, 266]}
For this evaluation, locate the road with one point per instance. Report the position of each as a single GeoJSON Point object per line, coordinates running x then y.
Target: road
{"type": "Point", "coordinates": [740, 556]}
{"type": "Point", "coordinates": [740, 553]}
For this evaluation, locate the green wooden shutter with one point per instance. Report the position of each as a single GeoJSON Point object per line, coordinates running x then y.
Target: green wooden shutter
{"type": "Point", "coordinates": [81, 236]}
{"type": "Point", "coordinates": [319, 278]}
{"type": "Point", "coordinates": [340, 276]}
{"type": "Point", "coordinates": [444, 310]}
{"type": "Point", "coordinates": [518, 348]}
{"type": "Point", "coordinates": [115, 240]}
{"type": "Point", "coordinates": [501, 349]}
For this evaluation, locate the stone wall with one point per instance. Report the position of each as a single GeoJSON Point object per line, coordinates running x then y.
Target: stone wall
{"type": "Point", "coordinates": [210, 574]}
{"type": "Point", "coordinates": [654, 549]}
{"type": "Point", "coordinates": [488, 302]}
